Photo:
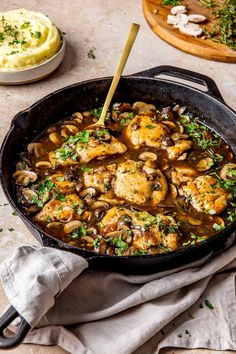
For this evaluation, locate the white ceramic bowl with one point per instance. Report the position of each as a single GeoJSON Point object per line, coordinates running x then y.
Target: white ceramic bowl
{"type": "Point", "coordinates": [34, 73]}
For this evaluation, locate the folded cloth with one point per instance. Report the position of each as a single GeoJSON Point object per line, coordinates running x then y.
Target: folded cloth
{"type": "Point", "coordinates": [86, 311]}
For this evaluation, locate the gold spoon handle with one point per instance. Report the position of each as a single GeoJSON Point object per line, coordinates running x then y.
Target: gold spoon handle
{"type": "Point", "coordinates": [119, 70]}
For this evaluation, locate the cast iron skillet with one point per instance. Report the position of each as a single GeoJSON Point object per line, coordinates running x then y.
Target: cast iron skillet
{"type": "Point", "coordinates": [207, 104]}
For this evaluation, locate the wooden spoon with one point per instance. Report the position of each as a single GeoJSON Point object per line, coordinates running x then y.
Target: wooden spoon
{"type": "Point", "coordinates": [119, 70]}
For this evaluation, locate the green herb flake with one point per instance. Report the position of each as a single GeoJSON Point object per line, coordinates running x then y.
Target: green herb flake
{"type": "Point", "coordinates": [37, 34]}
{"type": "Point", "coordinates": [179, 335]}
{"type": "Point", "coordinates": [149, 126]}
{"type": "Point", "coordinates": [61, 197]}
{"type": "Point", "coordinates": [1, 230]}
{"type": "Point", "coordinates": [139, 253]}
{"type": "Point", "coordinates": [218, 227]}
{"type": "Point", "coordinates": [14, 213]}
{"type": "Point", "coordinates": [208, 304]}
{"type": "Point", "coordinates": [171, 2]}
{"type": "Point", "coordinates": [2, 37]}
{"type": "Point", "coordinates": [11, 229]}
{"type": "Point", "coordinates": [91, 54]}
{"type": "Point", "coordinates": [60, 179]}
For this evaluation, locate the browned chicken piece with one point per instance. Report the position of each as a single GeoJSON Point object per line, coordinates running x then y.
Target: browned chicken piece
{"type": "Point", "coordinates": [99, 149]}
{"type": "Point", "coordinates": [142, 130]}
{"type": "Point", "coordinates": [99, 178]}
{"type": "Point", "coordinates": [147, 230]}
{"type": "Point", "coordinates": [206, 195]}
{"type": "Point", "coordinates": [56, 210]}
{"type": "Point", "coordinates": [139, 183]}
{"type": "Point", "coordinates": [176, 150]}
{"type": "Point", "coordinates": [183, 174]}
{"type": "Point", "coordinates": [61, 184]}
{"type": "Point", "coordinates": [74, 152]}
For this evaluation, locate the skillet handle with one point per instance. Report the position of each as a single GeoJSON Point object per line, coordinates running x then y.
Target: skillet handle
{"type": "Point", "coordinates": [187, 75]}
{"type": "Point", "coordinates": [22, 329]}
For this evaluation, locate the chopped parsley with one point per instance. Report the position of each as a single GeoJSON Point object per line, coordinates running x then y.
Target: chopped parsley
{"type": "Point", "coordinates": [96, 243]}
{"type": "Point", "coordinates": [14, 213]}
{"type": "Point", "coordinates": [91, 54]}
{"type": "Point", "coordinates": [81, 137]}
{"type": "Point", "coordinates": [139, 253]}
{"type": "Point", "coordinates": [149, 126]}
{"type": "Point", "coordinates": [37, 34]}
{"type": "Point", "coordinates": [171, 2]}
{"type": "Point", "coordinates": [1, 230]}
{"type": "Point", "coordinates": [208, 304]}
{"type": "Point", "coordinates": [218, 227]}
{"type": "Point", "coordinates": [11, 229]}
{"type": "Point", "coordinates": [199, 133]}
{"type": "Point", "coordinates": [79, 233]}
{"type": "Point", "coordinates": [120, 245]}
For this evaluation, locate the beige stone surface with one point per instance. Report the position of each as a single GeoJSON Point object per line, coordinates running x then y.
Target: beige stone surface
{"type": "Point", "coordinates": [103, 25]}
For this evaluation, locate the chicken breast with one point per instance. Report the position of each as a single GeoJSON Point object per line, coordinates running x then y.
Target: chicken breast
{"type": "Point", "coordinates": [142, 130]}
{"type": "Point", "coordinates": [205, 195]}
{"type": "Point", "coordinates": [178, 149]}
{"type": "Point", "coordinates": [57, 210]}
{"type": "Point", "coordinates": [61, 184]}
{"type": "Point", "coordinates": [130, 181]}
{"type": "Point", "coordinates": [84, 148]}
{"type": "Point", "coordinates": [147, 230]}
{"type": "Point", "coordinates": [139, 183]}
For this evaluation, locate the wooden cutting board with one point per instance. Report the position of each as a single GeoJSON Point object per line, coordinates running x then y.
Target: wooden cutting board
{"type": "Point", "coordinates": [156, 16]}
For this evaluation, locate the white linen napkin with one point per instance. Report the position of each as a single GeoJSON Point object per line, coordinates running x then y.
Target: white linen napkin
{"type": "Point", "coordinates": [86, 311]}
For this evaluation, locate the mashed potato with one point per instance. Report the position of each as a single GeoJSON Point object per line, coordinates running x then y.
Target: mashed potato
{"type": "Point", "coordinates": [27, 38]}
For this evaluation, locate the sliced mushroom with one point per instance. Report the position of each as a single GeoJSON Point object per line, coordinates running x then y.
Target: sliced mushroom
{"type": "Point", "coordinates": [100, 204]}
{"type": "Point", "coordinates": [30, 196]}
{"type": "Point", "coordinates": [55, 138]}
{"type": "Point", "coordinates": [114, 234]}
{"type": "Point", "coordinates": [180, 9]}
{"type": "Point", "coordinates": [78, 116]}
{"type": "Point", "coordinates": [226, 173]}
{"type": "Point", "coordinates": [126, 234]}
{"type": "Point", "coordinates": [88, 195]}
{"type": "Point", "coordinates": [191, 29]}
{"type": "Point", "coordinates": [72, 226]}
{"type": "Point", "coordinates": [147, 156]}
{"type": "Point", "coordinates": [173, 191]}
{"type": "Point", "coordinates": [147, 110]}
{"type": "Point", "coordinates": [72, 128]}
{"type": "Point", "coordinates": [169, 124]}
{"type": "Point", "coordinates": [196, 18]}
{"type": "Point", "coordinates": [205, 164]}
{"type": "Point", "coordinates": [172, 20]}
{"type": "Point", "coordinates": [56, 224]}
{"type": "Point", "coordinates": [183, 156]}
{"type": "Point", "coordinates": [36, 148]}
{"type": "Point", "coordinates": [92, 231]}
{"type": "Point", "coordinates": [65, 133]}
{"type": "Point", "coordinates": [25, 177]}
{"type": "Point", "coordinates": [88, 239]}
{"type": "Point", "coordinates": [78, 186]}
{"type": "Point", "coordinates": [87, 215]}
{"type": "Point", "coordinates": [87, 114]}
{"type": "Point", "coordinates": [51, 129]}
{"type": "Point", "coordinates": [43, 164]}
{"type": "Point", "coordinates": [195, 222]}
{"type": "Point", "coordinates": [137, 105]}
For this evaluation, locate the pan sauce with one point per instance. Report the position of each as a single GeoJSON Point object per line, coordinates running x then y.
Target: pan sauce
{"type": "Point", "coordinates": [152, 181]}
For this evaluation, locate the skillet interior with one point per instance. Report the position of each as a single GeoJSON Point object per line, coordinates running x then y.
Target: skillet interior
{"type": "Point", "coordinates": [56, 106]}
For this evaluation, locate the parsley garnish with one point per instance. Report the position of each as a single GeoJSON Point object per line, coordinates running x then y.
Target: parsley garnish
{"type": "Point", "coordinates": [208, 304]}
{"type": "Point", "coordinates": [37, 34]}
{"type": "Point", "coordinates": [218, 227]}
{"type": "Point", "coordinates": [91, 54]}
{"type": "Point", "coordinates": [149, 126]}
